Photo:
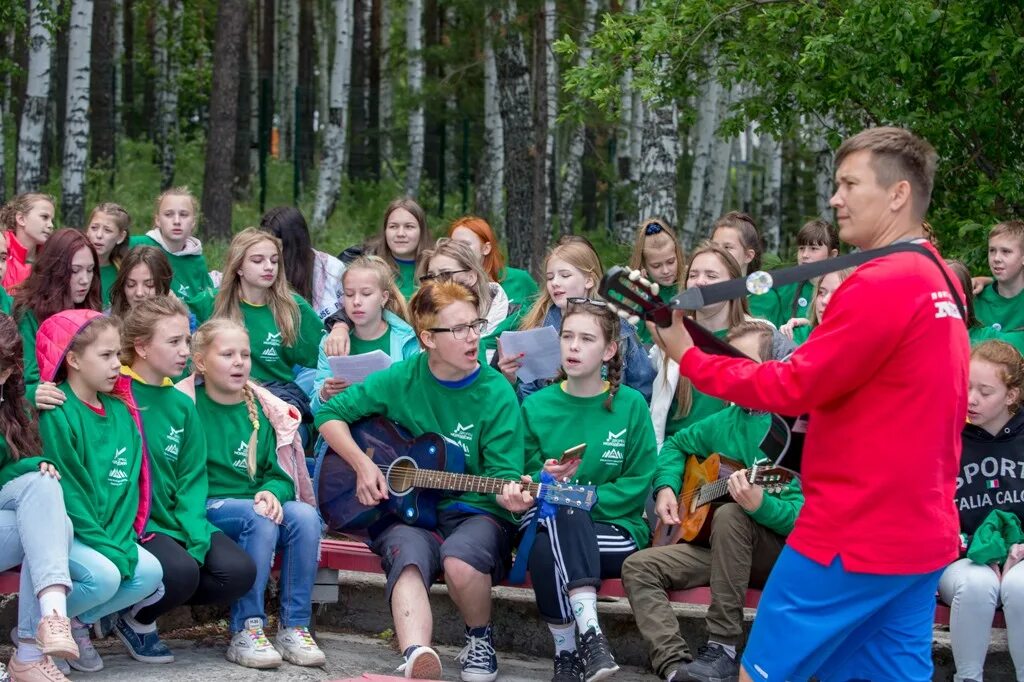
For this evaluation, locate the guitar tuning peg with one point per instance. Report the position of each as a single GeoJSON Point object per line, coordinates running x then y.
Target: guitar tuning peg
{"type": "Point", "coordinates": [634, 275]}
{"type": "Point", "coordinates": [623, 314]}
{"type": "Point", "coordinates": [633, 320]}
{"type": "Point", "coordinates": [655, 287]}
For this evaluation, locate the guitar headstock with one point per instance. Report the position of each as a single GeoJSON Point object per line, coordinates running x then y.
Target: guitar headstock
{"type": "Point", "coordinates": [772, 479]}
{"type": "Point", "coordinates": [633, 297]}
{"type": "Point", "coordinates": [569, 495]}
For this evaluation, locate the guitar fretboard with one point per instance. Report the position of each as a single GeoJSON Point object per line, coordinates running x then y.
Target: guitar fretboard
{"type": "Point", "coordinates": [443, 480]}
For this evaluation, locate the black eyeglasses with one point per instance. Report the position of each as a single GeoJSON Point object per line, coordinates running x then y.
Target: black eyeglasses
{"type": "Point", "coordinates": [653, 228]}
{"type": "Point", "coordinates": [443, 276]}
{"type": "Point", "coordinates": [461, 331]}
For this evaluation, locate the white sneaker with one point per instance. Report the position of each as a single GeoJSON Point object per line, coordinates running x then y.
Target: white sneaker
{"type": "Point", "coordinates": [251, 648]}
{"type": "Point", "coordinates": [297, 646]}
{"type": "Point", "coordinates": [423, 664]}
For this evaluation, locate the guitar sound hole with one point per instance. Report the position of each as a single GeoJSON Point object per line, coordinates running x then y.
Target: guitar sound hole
{"type": "Point", "coordinates": [402, 476]}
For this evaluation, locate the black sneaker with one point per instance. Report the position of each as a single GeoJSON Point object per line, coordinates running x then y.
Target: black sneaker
{"type": "Point", "coordinates": [598, 662]}
{"type": "Point", "coordinates": [713, 664]}
{"type": "Point", "coordinates": [568, 667]}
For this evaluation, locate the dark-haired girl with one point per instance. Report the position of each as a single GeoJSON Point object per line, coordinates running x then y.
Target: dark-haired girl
{"type": "Point", "coordinates": [145, 273]}
{"type": "Point", "coordinates": [737, 233]}
{"type": "Point", "coordinates": [107, 230]}
{"type": "Point", "coordinates": [402, 239]}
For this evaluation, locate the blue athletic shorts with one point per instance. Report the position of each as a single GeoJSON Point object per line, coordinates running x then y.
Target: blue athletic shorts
{"type": "Point", "coordinates": [837, 626]}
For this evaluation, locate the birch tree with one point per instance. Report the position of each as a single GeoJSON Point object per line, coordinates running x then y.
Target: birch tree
{"type": "Point", "coordinates": [626, 159]}
{"type": "Point", "coordinates": [573, 166]}
{"type": "Point", "coordinates": [323, 62]}
{"type": "Point", "coordinates": [491, 185]}
{"type": "Point", "coordinates": [118, 52]}
{"type": "Point", "coordinates": [824, 169]}
{"type": "Point", "coordinates": [525, 247]}
{"type": "Point", "coordinates": [659, 158]}
{"type": "Point", "coordinates": [29, 170]}
{"type": "Point", "coordinates": [707, 122]}
{"type": "Point", "coordinates": [386, 98]}
{"type": "Point", "coordinates": [416, 71]}
{"type": "Point", "coordinates": [771, 201]}
{"type": "Point", "coordinates": [76, 119]}
{"type": "Point", "coordinates": [717, 175]}
{"type": "Point", "coordinates": [168, 31]}
{"type": "Point", "coordinates": [333, 160]}
{"type": "Point", "coordinates": [551, 109]}
{"type": "Point", "coordinates": [287, 72]}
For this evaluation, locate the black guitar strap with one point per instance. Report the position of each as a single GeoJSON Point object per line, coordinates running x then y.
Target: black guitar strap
{"type": "Point", "coordinates": [761, 282]}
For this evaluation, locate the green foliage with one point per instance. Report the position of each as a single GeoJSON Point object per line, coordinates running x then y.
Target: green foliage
{"type": "Point", "coordinates": [950, 71]}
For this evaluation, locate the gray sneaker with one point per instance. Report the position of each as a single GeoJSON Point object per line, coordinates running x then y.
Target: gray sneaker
{"type": "Point", "coordinates": [251, 648]}
{"type": "Point", "coordinates": [713, 664]}
{"type": "Point", "coordinates": [298, 647]}
{"type": "Point", "coordinates": [88, 660]}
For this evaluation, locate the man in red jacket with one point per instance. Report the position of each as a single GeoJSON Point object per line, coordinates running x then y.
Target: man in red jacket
{"type": "Point", "coordinates": [883, 378]}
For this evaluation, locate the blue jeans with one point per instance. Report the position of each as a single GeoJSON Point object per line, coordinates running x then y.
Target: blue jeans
{"type": "Point", "coordinates": [98, 588]}
{"type": "Point", "coordinates": [298, 537]}
{"type": "Point", "coordinates": [36, 533]}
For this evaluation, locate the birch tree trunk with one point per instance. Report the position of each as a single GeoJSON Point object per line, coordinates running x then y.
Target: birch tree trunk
{"type": "Point", "coordinates": [707, 122]}
{"type": "Point", "coordinates": [491, 185]}
{"type": "Point", "coordinates": [517, 123]}
{"type": "Point", "coordinates": [321, 18]}
{"type": "Point", "coordinates": [76, 120]}
{"type": "Point", "coordinates": [551, 143]}
{"type": "Point", "coordinates": [167, 34]}
{"type": "Point", "coordinates": [118, 51]}
{"type": "Point", "coordinates": [628, 127]}
{"type": "Point", "coordinates": [29, 169]}
{"type": "Point", "coordinates": [574, 154]}
{"type": "Point", "coordinates": [3, 158]}
{"type": "Point", "coordinates": [824, 170]}
{"type": "Point", "coordinates": [229, 41]}
{"type": "Point", "coordinates": [287, 72]}
{"type": "Point", "coordinates": [385, 110]}
{"type": "Point", "coordinates": [771, 202]}
{"type": "Point", "coordinates": [718, 166]}
{"type": "Point", "coordinates": [333, 160]}
{"type": "Point", "coordinates": [417, 120]}
{"type": "Point", "coordinates": [659, 159]}
{"type": "Point", "coordinates": [747, 176]}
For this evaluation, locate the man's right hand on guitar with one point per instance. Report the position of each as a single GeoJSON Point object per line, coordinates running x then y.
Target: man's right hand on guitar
{"type": "Point", "coordinates": [371, 487]}
{"type": "Point", "coordinates": [667, 507]}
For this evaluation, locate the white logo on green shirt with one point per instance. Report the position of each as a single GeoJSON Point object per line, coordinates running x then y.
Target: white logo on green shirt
{"type": "Point", "coordinates": [463, 434]}
{"type": "Point", "coordinates": [241, 456]}
{"type": "Point", "coordinates": [183, 291]}
{"type": "Point", "coordinates": [270, 346]}
{"type": "Point", "coordinates": [174, 435]}
{"type": "Point", "coordinates": [615, 442]}
{"type": "Point", "coordinates": [117, 476]}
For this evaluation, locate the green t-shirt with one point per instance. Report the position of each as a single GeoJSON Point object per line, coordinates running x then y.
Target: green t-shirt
{"type": "Point", "coordinates": [228, 429]}
{"type": "Point", "coordinates": [406, 279]}
{"type": "Point", "coordinates": [665, 293]}
{"type": "Point", "coordinates": [800, 334]}
{"type": "Point", "coordinates": [795, 301]}
{"type": "Point", "coordinates": [191, 276]}
{"type": "Point", "coordinates": [519, 286]}
{"type": "Point", "coordinates": [99, 458]}
{"type": "Point", "coordinates": [272, 360]}
{"type": "Point", "coordinates": [767, 306]}
{"type": "Point", "coordinates": [621, 450]}
{"type": "Point", "coordinates": [482, 416]}
{"type": "Point", "coordinates": [358, 346]}
{"type": "Point", "coordinates": [1014, 337]}
{"type": "Point", "coordinates": [737, 434]}
{"type": "Point", "coordinates": [6, 302]}
{"type": "Point", "coordinates": [177, 466]}
{"type": "Point", "coordinates": [992, 310]}
{"type": "Point", "coordinates": [702, 405]}
{"type": "Point", "coordinates": [10, 469]}
{"type": "Point", "coordinates": [28, 325]}
{"type": "Point", "coordinates": [108, 273]}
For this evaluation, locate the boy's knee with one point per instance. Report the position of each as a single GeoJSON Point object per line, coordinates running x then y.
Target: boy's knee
{"type": "Point", "coordinates": [458, 572]}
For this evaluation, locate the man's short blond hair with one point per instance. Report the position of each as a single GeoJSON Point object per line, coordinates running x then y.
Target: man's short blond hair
{"type": "Point", "coordinates": [897, 154]}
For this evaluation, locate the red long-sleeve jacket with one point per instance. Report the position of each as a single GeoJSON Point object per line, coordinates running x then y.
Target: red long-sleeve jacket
{"type": "Point", "coordinates": [884, 381]}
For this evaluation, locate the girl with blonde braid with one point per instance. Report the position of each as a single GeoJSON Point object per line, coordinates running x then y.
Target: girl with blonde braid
{"type": "Point", "coordinates": [260, 494]}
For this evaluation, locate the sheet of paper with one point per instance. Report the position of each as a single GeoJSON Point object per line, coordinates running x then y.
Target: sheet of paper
{"type": "Point", "coordinates": [355, 368]}
{"type": "Point", "coordinates": [543, 354]}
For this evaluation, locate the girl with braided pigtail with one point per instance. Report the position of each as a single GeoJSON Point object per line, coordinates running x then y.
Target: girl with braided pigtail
{"type": "Point", "coordinates": [260, 495]}
{"type": "Point", "coordinates": [573, 550]}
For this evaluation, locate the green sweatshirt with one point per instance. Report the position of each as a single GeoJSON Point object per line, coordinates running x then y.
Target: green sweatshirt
{"type": "Point", "coordinates": [228, 429]}
{"type": "Point", "coordinates": [665, 294]}
{"type": "Point", "coordinates": [191, 276]}
{"type": "Point", "coordinates": [271, 359]}
{"type": "Point", "coordinates": [6, 302]}
{"type": "Point", "coordinates": [621, 450]}
{"type": "Point", "coordinates": [99, 458]}
{"type": "Point", "coordinates": [519, 286]}
{"type": "Point", "coordinates": [10, 469]}
{"type": "Point", "coordinates": [993, 310]}
{"type": "Point", "coordinates": [767, 306]}
{"type": "Point", "coordinates": [177, 465]}
{"type": "Point", "coordinates": [1014, 337]}
{"type": "Point", "coordinates": [406, 279]}
{"type": "Point", "coordinates": [799, 292]}
{"type": "Point", "coordinates": [28, 325]}
{"type": "Point", "coordinates": [357, 346]}
{"type": "Point", "coordinates": [992, 540]}
{"type": "Point", "coordinates": [702, 405]}
{"type": "Point", "coordinates": [736, 434]}
{"type": "Point", "coordinates": [108, 273]}
{"type": "Point", "coordinates": [482, 416]}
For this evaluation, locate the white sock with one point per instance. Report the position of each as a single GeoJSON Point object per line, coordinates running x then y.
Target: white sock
{"type": "Point", "coordinates": [153, 598]}
{"type": "Point", "coordinates": [29, 652]}
{"type": "Point", "coordinates": [564, 636]}
{"type": "Point", "coordinates": [137, 626]}
{"type": "Point", "coordinates": [54, 600]}
{"type": "Point", "coordinates": [729, 648]}
{"type": "Point", "coordinates": [584, 609]}
{"type": "Point", "coordinates": [671, 676]}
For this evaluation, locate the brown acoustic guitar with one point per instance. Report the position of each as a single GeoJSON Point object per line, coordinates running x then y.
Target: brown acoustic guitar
{"type": "Point", "coordinates": [706, 486]}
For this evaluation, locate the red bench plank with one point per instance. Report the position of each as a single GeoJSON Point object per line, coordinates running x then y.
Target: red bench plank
{"type": "Point", "coordinates": [9, 582]}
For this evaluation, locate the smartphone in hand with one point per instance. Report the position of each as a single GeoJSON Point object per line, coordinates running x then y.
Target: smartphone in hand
{"type": "Point", "coordinates": [573, 453]}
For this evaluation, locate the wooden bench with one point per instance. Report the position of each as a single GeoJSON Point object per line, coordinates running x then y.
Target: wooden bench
{"type": "Point", "coordinates": [344, 555]}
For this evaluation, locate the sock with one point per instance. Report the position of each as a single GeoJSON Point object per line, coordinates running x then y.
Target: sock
{"type": "Point", "coordinates": [29, 652]}
{"type": "Point", "coordinates": [564, 636]}
{"type": "Point", "coordinates": [153, 598]}
{"type": "Point", "coordinates": [140, 628]}
{"type": "Point", "coordinates": [729, 648]}
{"type": "Point", "coordinates": [584, 609]}
{"type": "Point", "coordinates": [54, 600]}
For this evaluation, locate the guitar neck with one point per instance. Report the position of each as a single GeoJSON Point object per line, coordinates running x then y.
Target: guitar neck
{"type": "Point", "coordinates": [709, 492]}
{"type": "Point", "coordinates": [465, 483]}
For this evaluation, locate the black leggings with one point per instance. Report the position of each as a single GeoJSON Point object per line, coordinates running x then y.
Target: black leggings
{"type": "Point", "coordinates": [572, 550]}
{"type": "Point", "coordinates": [227, 573]}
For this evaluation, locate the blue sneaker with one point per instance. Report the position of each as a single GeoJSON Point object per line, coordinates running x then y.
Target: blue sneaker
{"type": "Point", "coordinates": [479, 664]}
{"type": "Point", "coordinates": [142, 646]}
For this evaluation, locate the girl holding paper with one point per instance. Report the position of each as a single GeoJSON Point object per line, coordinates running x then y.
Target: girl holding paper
{"type": "Point", "coordinates": [378, 313]}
